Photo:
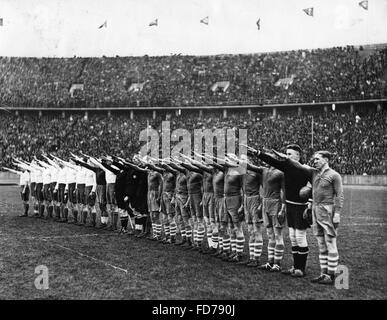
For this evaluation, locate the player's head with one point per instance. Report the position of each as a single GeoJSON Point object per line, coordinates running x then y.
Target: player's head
{"type": "Point", "coordinates": [293, 151]}
{"type": "Point", "coordinates": [321, 158]}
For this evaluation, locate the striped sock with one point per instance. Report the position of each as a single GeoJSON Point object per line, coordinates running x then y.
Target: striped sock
{"type": "Point", "coordinates": [233, 244]}
{"type": "Point", "coordinates": [158, 230]}
{"type": "Point", "coordinates": [240, 243]}
{"type": "Point", "coordinates": [323, 256]}
{"type": "Point", "coordinates": [209, 236]}
{"type": "Point", "coordinates": [173, 230]}
{"type": "Point", "coordinates": [270, 251]}
{"type": "Point", "coordinates": [154, 230]}
{"type": "Point", "coordinates": [333, 261]}
{"type": "Point", "coordinates": [215, 240]}
{"type": "Point", "coordinates": [258, 249]}
{"type": "Point", "coordinates": [252, 250]}
{"type": "Point", "coordinates": [278, 253]}
{"type": "Point", "coordinates": [201, 233]}
{"type": "Point", "coordinates": [183, 233]}
{"type": "Point", "coordinates": [221, 243]}
{"type": "Point", "coordinates": [167, 231]}
{"type": "Point", "coordinates": [226, 244]}
{"type": "Point", "coordinates": [188, 233]}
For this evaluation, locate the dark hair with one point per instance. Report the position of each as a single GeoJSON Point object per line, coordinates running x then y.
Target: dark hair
{"type": "Point", "coordinates": [324, 154]}
{"type": "Point", "coordinates": [295, 147]}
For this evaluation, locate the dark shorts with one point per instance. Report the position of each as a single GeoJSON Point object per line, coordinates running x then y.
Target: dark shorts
{"type": "Point", "coordinates": [72, 194]}
{"type": "Point", "coordinates": [47, 196]}
{"type": "Point", "coordinates": [180, 201]}
{"type": "Point", "coordinates": [208, 206]}
{"type": "Point", "coordinates": [54, 195]}
{"type": "Point", "coordinates": [26, 195]}
{"type": "Point", "coordinates": [166, 203]}
{"type": "Point", "coordinates": [271, 208]}
{"type": "Point", "coordinates": [294, 216]}
{"type": "Point", "coordinates": [81, 198]}
{"type": "Point", "coordinates": [61, 195]}
{"type": "Point", "coordinates": [101, 194]}
{"type": "Point", "coordinates": [90, 197]}
{"type": "Point", "coordinates": [219, 208]}
{"type": "Point", "coordinates": [33, 189]}
{"type": "Point", "coordinates": [39, 191]}
{"type": "Point", "coordinates": [111, 193]}
{"type": "Point", "coordinates": [194, 205]}
{"type": "Point", "coordinates": [252, 208]}
{"type": "Point", "coordinates": [153, 201]}
{"type": "Point", "coordinates": [232, 204]}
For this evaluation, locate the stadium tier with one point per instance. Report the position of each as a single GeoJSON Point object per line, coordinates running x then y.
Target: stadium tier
{"type": "Point", "coordinates": [357, 139]}
{"type": "Point", "coordinates": [303, 76]}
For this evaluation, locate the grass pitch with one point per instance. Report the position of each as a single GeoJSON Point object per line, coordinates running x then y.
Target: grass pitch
{"type": "Point", "coordinates": [85, 263]}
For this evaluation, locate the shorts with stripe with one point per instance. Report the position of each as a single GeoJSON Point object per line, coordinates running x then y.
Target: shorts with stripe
{"type": "Point", "coordinates": [232, 204]}
{"type": "Point", "coordinates": [61, 193]}
{"type": "Point", "coordinates": [208, 206]}
{"type": "Point", "coordinates": [26, 195]}
{"type": "Point", "coordinates": [72, 193]}
{"type": "Point", "coordinates": [90, 197]}
{"type": "Point", "coordinates": [166, 203]}
{"type": "Point", "coordinates": [111, 193]}
{"type": "Point", "coordinates": [180, 201]}
{"type": "Point", "coordinates": [219, 208]}
{"type": "Point", "coordinates": [323, 220]}
{"type": "Point", "coordinates": [253, 209]}
{"type": "Point", "coordinates": [194, 205]}
{"type": "Point", "coordinates": [153, 200]}
{"type": "Point", "coordinates": [81, 198]}
{"type": "Point", "coordinates": [33, 189]}
{"type": "Point", "coordinates": [47, 196]}
{"type": "Point", "coordinates": [271, 208]}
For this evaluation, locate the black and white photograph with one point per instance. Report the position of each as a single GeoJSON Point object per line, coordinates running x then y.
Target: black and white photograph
{"type": "Point", "coordinates": [194, 154]}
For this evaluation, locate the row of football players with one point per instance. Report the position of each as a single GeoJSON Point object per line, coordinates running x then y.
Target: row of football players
{"type": "Point", "coordinates": [194, 197]}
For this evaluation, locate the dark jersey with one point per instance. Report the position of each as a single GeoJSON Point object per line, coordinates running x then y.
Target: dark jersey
{"type": "Point", "coordinates": [181, 184]}
{"type": "Point", "coordinates": [169, 182]}
{"type": "Point", "coordinates": [295, 178]}
{"type": "Point", "coordinates": [207, 182]}
{"type": "Point", "coordinates": [232, 184]}
{"type": "Point", "coordinates": [195, 182]}
{"type": "Point", "coordinates": [218, 184]}
{"type": "Point", "coordinates": [272, 182]}
{"type": "Point", "coordinates": [251, 183]}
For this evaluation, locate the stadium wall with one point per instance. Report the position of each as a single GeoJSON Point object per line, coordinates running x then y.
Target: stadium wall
{"type": "Point", "coordinates": [7, 178]}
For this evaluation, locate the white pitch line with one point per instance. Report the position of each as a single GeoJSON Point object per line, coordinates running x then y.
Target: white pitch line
{"type": "Point", "coordinates": [381, 224]}
{"type": "Point", "coordinates": [73, 236]}
{"type": "Point", "coordinates": [87, 256]}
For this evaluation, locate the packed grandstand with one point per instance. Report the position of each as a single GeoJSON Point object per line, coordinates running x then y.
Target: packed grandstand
{"type": "Point", "coordinates": [349, 73]}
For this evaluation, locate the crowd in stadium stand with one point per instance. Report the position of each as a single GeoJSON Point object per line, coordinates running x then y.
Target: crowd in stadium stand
{"type": "Point", "coordinates": [357, 139]}
{"type": "Point", "coordinates": [340, 73]}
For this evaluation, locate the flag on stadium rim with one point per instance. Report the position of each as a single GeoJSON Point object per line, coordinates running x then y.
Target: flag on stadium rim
{"type": "Point", "coordinates": [258, 24]}
{"type": "Point", "coordinates": [205, 20]}
{"type": "Point", "coordinates": [364, 4]}
{"type": "Point", "coordinates": [153, 23]}
{"type": "Point", "coordinates": [308, 11]}
{"type": "Point", "coordinates": [103, 25]}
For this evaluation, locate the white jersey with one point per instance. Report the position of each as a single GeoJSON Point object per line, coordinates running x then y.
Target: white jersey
{"type": "Point", "coordinates": [38, 176]}
{"type": "Point", "coordinates": [81, 175]}
{"type": "Point", "coordinates": [24, 178]}
{"type": "Point", "coordinates": [110, 176]}
{"type": "Point", "coordinates": [54, 174]}
{"type": "Point", "coordinates": [90, 178]}
{"type": "Point", "coordinates": [62, 175]}
{"type": "Point", "coordinates": [47, 176]}
{"type": "Point", "coordinates": [71, 175]}
{"type": "Point", "coordinates": [33, 175]}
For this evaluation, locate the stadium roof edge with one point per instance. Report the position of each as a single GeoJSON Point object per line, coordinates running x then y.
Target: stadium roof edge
{"type": "Point", "coordinates": [267, 106]}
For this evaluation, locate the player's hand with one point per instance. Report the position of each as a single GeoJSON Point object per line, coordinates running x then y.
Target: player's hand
{"type": "Point", "coordinates": [280, 155]}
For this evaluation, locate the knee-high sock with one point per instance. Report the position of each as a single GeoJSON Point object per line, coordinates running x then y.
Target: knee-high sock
{"type": "Point", "coordinates": [258, 249]}
{"type": "Point", "coordinates": [173, 230]}
{"type": "Point", "coordinates": [226, 244]}
{"type": "Point", "coordinates": [323, 257]}
{"type": "Point", "coordinates": [215, 239]}
{"type": "Point", "coordinates": [270, 251]}
{"type": "Point", "coordinates": [333, 261]}
{"type": "Point", "coordinates": [278, 253]}
{"type": "Point", "coordinates": [303, 249]}
{"type": "Point", "coordinates": [233, 244]}
{"type": "Point", "coordinates": [252, 250]}
{"type": "Point", "coordinates": [239, 244]}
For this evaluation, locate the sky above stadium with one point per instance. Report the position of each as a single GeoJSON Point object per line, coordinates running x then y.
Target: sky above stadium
{"type": "Point", "coordinates": [64, 28]}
